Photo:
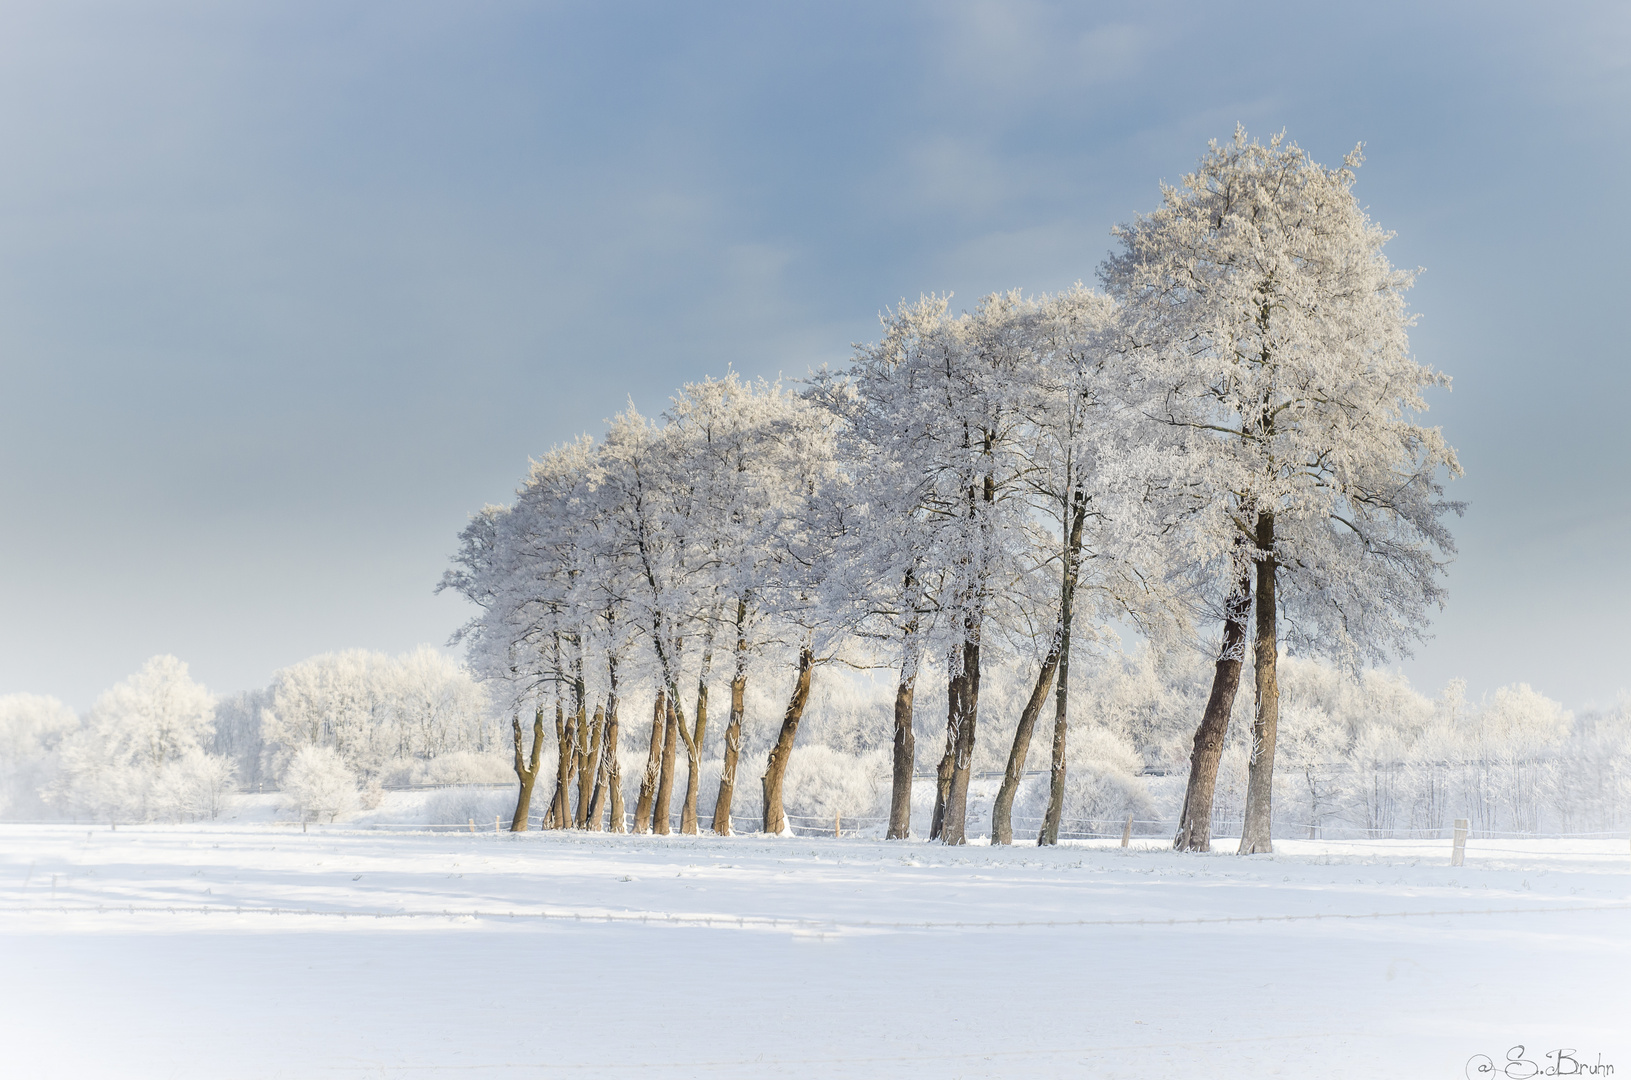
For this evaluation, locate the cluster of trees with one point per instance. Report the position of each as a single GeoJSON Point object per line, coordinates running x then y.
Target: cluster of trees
{"type": "Point", "coordinates": [142, 752]}
{"type": "Point", "coordinates": [1225, 437]}
{"type": "Point", "coordinates": [415, 718]}
{"type": "Point", "coordinates": [160, 746]}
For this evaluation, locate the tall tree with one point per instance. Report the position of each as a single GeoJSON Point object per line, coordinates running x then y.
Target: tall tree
{"type": "Point", "coordinates": [1267, 332]}
{"type": "Point", "coordinates": [949, 383]}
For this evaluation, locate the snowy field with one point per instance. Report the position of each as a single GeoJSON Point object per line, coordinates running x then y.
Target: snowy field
{"type": "Point", "coordinates": [256, 950]}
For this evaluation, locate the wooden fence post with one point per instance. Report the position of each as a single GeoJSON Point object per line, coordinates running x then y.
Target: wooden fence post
{"type": "Point", "coordinates": [1459, 852]}
{"type": "Point", "coordinates": [837, 824]}
{"type": "Point", "coordinates": [1127, 831]}
{"type": "Point", "coordinates": [472, 824]}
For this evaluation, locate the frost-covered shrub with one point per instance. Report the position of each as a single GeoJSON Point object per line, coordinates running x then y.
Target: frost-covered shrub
{"type": "Point", "coordinates": [318, 784]}
{"type": "Point", "coordinates": [195, 787]}
{"type": "Point", "coordinates": [461, 805]}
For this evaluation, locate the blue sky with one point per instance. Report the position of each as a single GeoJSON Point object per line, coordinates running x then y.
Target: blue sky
{"type": "Point", "coordinates": [288, 290]}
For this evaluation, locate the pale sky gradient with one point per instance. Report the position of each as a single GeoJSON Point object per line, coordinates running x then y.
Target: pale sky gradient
{"type": "Point", "coordinates": [288, 290]}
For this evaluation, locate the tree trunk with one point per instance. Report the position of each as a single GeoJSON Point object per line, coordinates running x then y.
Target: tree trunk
{"type": "Point", "coordinates": [648, 779]}
{"type": "Point", "coordinates": [693, 743]}
{"type": "Point", "coordinates": [733, 729]}
{"type": "Point", "coordinates": [665, 781]}
{"type": "Point", "coordinates": [560, 815]}
{"type": "Point", "coordinates": [954, 830]}
{"type": "Point", "coordinates": [948, 760]}
{"type": "Point", "coordinates": [607, 754]}
{"type": "Point", "coordinates": [1195, 822]}
{"type": "Point", "coordinates": [1002, 824]}
{"type": "Point", "coordinates": [526, 770]}
{"type": "Point", "coordinates": [589, 771]}
{"type": "Point", "coordinates": [614, 772]}
{"type": "Point", "coordinates": [1072, 555]}
{"type": "Point", "coordinates": [1256, 836]}
{"type": "Point", "coordinates": [900, 793]}
{"type": "Point", "coordinates": [580, 742]}
{"type": "Point", "coordinates": [775, 818]}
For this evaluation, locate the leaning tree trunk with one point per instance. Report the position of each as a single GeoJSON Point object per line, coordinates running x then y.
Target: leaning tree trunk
{"type": "Point", "coordinates": [1195, 822]}
{"type": "Point", "coordinates": [954, 830]}
{"type": "Point", "coordinates": [1072, 562]}
{"type": "Point", "coordinates": [900, 792]}
{"type": "Point", "coordinates": [1256, 836]}
{"type": "Point", "coordinates": [1002, 809]}
{"type": "Point", "coordinates": [665, 780]}
{"type": "Point", "coordinates": [775, 817]}
{"type": "Point", "coordinates": [526, 769]}
{"type": "Point", "coordinates": [648, 779]}
{"type": "Point", "coordinates": [733, 729]}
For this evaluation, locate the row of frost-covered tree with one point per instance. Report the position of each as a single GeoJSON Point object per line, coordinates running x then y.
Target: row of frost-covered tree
{"type": "Point", "coordinates": [1220, 449]}
{"type": "Point", "coordinates": [1004, 573]}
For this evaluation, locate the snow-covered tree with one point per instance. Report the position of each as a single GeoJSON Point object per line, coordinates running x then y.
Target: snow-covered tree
{"type": "Point", "coordinates": [1266, 333]}
{"type": "Point", "coordinates": [947, 385]}
{"type": "Point", "coordinates": [318, 783]}
{"type": "Point", "coordinates": [32, 727]}
{"type": "Point", "coordinates": [151, 727]}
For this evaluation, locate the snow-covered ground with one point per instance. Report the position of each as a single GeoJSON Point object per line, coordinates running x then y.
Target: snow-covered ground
{"type": "Point", "coordinates": [255, 950]}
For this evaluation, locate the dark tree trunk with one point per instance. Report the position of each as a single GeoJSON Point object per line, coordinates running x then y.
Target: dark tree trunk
{"type": "Point", "coordinates": [733, 729]}
{"type": "Point", "coordinates": [560, 815]}
{"type": "Point", "coordinates": [589, 770]}
{"type": "Point", "coordinates": [900, 792]}
{"type": "Point", "coordinates": [775, 817]}
{"type": "Point", "coordinates": [693, 744]}
{"type": "Point", "coordinates": [665, 781]}
{"type": "Point", "coordinates": [614, 770]}
{"type": "Point", "coordinates": [954, 830]}
{"type": "Point", "coordinates": [1256, 835]}
{"type": "Point", "coordinates": [1195, 822]}
{"type": "Point", "coordinates": [648, 779]}
{"type": "Point", "coordinates": [1002, 809]}
{"type": "Point", "coordinates": [605, 755]}
{"type": "Point", "coordinates": [954, 822]}
{"type": "Point", "coordinates": [948, 760]}
{"type": "Point", "coordinates": [580, 744]}
{"type": "Point", "coordinates": [526, 769]}
{"type": "Point", "coordinates": [1072, 554]}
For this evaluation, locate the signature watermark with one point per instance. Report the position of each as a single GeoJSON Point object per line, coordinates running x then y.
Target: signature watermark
{"type": "Point", "coordinates": [1518, 1065]}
